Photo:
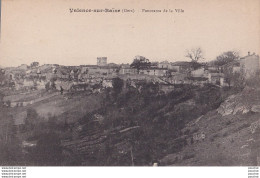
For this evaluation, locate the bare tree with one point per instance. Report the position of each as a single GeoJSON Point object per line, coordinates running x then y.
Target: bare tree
{"type": "Point", "coordinates": [194, 54]}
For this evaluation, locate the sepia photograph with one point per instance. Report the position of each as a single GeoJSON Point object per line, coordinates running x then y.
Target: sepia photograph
{"type": "Point", "coordinates": [130, 83]}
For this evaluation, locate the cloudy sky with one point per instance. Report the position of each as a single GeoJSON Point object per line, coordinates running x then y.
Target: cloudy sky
{"type": "Point", "coordinates": [46, 31]}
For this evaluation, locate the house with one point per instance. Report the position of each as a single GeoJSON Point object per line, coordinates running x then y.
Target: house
{"type": "Point", "coordinates": [181, 67]}
{"type": "Point", "coordinates": [62, 72]}
{"type": "Point", "coordinates": [74, 73]}
{"type": "Point", "coordinates": [235, 66]}
{"type": "Point", "coordinates": [18, 84]}
{"type": "Point", "coordinates": [85, 68]}
{"type": "Point", "coordinates": [23, 67]}
{"type": "Point", "coordinates": [213, 69]}
{"type": "Point", "coordinates": [201, 80]}
{"type": "Point", "coordinates": [40, 84]}
{"type": "Point", "coordinates": [101, 61]}
{"type": "Point", "coordinates": [99, 71]}
{"type": "Point", "coordinates": [112, 65]}
{"type": "Point", "coordinates": [154, 64]}
{"type": "Point", "coordinates": [28, 83]}
{"type": "Point", "coordinates": [159, 72]}
{"type": "Point", "coordinates": [216, 78]}
{"type": "Point", "coordinates": [125, 65]}
{"type": "Point", "coordinates": [154, 71]}
{"type": "Point", "coordinates": [112, 70]}
{"type": "Point", "coordinates": [38, 71]}
{"type": "Point", "coordinates": [164, 65]}
{"type": "Point", "coordinates": [107, 83]}
{"type": "Point", "coordinates": [177, 78]}
{"type": "Point", "coordinates": [249, 65]}
{"type": "Point", "coordinates": [127, 71]}
{"type": "Point", "coordinates": [198, 72]}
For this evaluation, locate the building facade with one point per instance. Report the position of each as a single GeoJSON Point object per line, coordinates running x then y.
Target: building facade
{"type": "Point", "coordinates": [102, 61]}
{"type": "Point", "coordinates": [250, 65]}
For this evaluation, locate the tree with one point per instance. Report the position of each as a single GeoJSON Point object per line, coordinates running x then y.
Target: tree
{"type": "Point", "coordinates": [61, 90]}
{"type": "Point", "coordinates": [1, 98]}
{"type": "Point", "coordinates": [239, 80]}
{"type": "Point", "coordinates": [9, 144]}
{"type": "Point", "coordinates": [149, 90]}
{"type": "Point", "coordinates": [7, 127]}
{"type": "Point", "coordinates": [31, 119]}
{"type": "Point", "coordinates": [117, 84]}
{"type": "Point", "coordinates": [226, 58]}
{"type": "Point", "coordinates": [195, 55]}
{"type": "Point", "coordinates": [234, 78]}
{"type": "Point", "coordinates": [140, 62]}
{"type": "Point", "coordinates": [228, 75]}
{"type": "Point", "coordinates": [48, 150]}
{"type": "Point", "coordinates": [52, 83]}
{"type": "Point", "coordinates": [34, 64]}
{"type": "Point", "coordinates": [2, 76]}
{"type": "Point", "coordinates": [47, 86]}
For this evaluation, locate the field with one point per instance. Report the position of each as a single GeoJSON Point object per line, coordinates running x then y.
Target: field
{"type": "Point", "coordinates": [70, 106]}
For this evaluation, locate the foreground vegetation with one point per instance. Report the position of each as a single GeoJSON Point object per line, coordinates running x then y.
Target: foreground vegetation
{"type": "Point", "coordinates": [133, 126]}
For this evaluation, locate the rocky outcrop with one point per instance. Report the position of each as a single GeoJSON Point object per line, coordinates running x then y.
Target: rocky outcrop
{"type": "Point", "coordinates": [255, 108]}
{"type": "Point", "coordinates": [228, 136]}
{"type": "Point", "coordinates": [241, 103]}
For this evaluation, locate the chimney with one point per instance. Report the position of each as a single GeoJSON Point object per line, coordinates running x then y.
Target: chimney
{"type": "Point", "coordinates": [248, 53]}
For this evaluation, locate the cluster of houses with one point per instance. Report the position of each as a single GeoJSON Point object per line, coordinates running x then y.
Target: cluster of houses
{"type": "Point", "coordinates": [166, 73]}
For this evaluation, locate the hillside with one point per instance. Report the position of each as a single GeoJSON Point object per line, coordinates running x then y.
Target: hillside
{"type": "Point", "coordinates": [140, 128]}
{"type": "Point", "coordinates": [124, 125]}
{"type": "Point", "coordinates": [227, 136]}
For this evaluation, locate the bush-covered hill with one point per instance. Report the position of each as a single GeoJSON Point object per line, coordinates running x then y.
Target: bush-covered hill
{"type": "Point", "coordinates": [139, 127]}
{"type": "Point", "coordinates": [192, 125]}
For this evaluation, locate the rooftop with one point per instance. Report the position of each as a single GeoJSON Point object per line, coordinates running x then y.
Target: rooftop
{"type": "Point", "coordinates": [181, 63]}
{"type": "Point", "coordinates": [249, 55]}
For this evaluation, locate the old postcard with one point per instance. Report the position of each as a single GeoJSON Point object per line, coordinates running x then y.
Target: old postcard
{"type": "Point", "coordinates": [130, 83]}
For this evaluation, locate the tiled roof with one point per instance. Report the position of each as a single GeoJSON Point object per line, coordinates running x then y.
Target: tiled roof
{"type": "Point", "coordinates": [181, 63]}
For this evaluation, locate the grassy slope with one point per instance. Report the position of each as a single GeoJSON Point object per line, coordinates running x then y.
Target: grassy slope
{"type": "Point", "coordinates": [229, 140]}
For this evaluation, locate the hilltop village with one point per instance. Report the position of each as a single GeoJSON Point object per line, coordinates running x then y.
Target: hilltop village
{"type": "Point", "coordinates": [95, 77]}
{"type": "Point", "coordinates": [132, 114]}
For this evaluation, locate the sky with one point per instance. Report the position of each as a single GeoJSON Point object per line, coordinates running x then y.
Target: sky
{"type": "Point", "coordinates": [46, 31]}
